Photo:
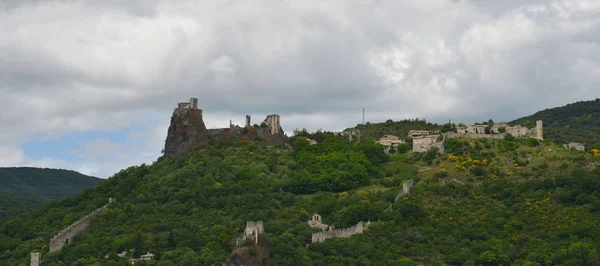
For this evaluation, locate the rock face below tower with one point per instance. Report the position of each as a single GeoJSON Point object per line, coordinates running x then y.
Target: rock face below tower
{"type": "Point", "coordinates": [187, 129]}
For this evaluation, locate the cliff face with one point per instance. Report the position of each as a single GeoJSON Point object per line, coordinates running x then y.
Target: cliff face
{"type": "Point", "coordinates": [186, 130]}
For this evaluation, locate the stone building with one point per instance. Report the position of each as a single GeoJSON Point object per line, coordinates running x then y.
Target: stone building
{"type": "Point", "coordinates": [390, 141]}
{"type": "Point", "coordinates": [575, 145]}
{"type": "Point", "coordinates": [316, 222]}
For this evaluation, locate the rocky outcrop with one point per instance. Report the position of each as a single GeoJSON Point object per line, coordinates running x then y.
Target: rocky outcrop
{"type": "Point", "coordinates": [256, 254]}
{"type": "Point", "coordinates": [186, 130]}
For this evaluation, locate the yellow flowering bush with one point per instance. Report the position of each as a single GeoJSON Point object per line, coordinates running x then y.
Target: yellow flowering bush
{"type": "Point", "coordinates": [463, 163]}
{"type": "Point", "coordinates": [596, 152]}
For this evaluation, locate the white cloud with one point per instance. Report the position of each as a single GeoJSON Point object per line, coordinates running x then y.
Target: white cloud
{"type": "Point", "coordinates": [86, 66]}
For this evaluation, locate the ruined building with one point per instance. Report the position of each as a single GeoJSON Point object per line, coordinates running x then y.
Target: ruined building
{"type": "Point", "coordinates": [252, 231]}
{"type": "Point", "coordinates": [187, 129]}
{"type": "Point", "coordinates": [423, 140]}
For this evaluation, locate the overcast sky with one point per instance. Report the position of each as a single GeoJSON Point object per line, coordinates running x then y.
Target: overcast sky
{"type": "Point", "coordinates": [90, 85]}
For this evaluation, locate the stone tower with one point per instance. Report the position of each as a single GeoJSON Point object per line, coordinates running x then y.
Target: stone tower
{"type": "Point", "coordinates": [36, 259]}
{"type": "Point", "coordinates": [539, 130]}
{"type": "Point", "coordinates": [247, 121]}
{"type": "Point", "coordinates": [273, 124]}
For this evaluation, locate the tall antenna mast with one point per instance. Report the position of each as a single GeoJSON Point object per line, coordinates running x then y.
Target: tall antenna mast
{"type": "Point", "coordinates": [363, 116]}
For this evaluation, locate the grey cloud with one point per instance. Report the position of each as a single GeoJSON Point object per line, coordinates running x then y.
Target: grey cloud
{"type": "Point", "coordinates": [91, 64]}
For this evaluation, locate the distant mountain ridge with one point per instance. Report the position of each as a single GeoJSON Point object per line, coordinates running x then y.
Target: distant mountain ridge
{"type": "Point", "coordinates": [575, 122]}
{"type": "Point", "coordinates": [27, 188]}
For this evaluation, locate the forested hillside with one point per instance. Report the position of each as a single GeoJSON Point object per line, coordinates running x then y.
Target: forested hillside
{"type": "Point", "coordinates": [486, 202]}
{"type": "Point", "coordinates": [25, 188]}
{"type": "Point", "coordinates": [576, 122]}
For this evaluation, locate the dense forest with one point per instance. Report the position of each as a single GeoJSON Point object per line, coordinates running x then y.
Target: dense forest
{"type": "Point", "coordinates": [484, 202]}
{"type": "Point", "coordinates": [576, 122]}
{"type": "Point", "coordinates": [26, 188]}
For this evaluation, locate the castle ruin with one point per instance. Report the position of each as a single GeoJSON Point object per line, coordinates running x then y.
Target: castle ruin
{"type": "Point", "coordinates": [187, 129]}
{"type": "Point", "coordinates": [252, 231]}
{"type": "Point", "coordinates": [65, 236]}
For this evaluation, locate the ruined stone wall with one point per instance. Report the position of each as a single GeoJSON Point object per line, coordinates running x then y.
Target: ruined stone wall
{"type": "Point", "coordinates": [406, 186]}
{"type": "Point", "coordinates": [66, 235]}
{"type": "Point", "coordinates": [423, 144]}
{"type": "Point", "coordinates": [344, 232]}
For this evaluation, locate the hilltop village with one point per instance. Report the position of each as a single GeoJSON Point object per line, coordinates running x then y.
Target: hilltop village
{"type": "Point", "coordinates": [424, 140]}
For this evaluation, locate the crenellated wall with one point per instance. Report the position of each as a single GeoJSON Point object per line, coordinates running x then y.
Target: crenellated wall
{"type": "Point", "coordinates": [344, 232]}
{"type": "Point", "coordinates": [66, 235]}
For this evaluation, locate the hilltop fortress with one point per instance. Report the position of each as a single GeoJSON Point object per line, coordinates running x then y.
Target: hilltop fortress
{"type": "Point", "coordinates": [187, 129]}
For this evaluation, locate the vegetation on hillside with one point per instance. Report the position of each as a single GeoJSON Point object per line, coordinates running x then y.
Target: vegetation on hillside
{"type": "Point", "coordinates": [396, 128]}
{"type": "Point", "coordinates": [24, 189]}
{"type": "Point", "coordinates": [576, 122]}
{"type": "Point", "coordinates": [485, 202]}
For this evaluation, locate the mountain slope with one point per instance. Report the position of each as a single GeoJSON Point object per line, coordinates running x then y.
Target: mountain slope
{"type": "Point", "coordinates": [576, 122]}
{"type": "Point", "coordinates": [525, 205]}
{"type": "Point", "coordinates": [25, 188]}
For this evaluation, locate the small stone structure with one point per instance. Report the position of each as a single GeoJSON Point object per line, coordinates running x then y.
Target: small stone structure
{"type": "Point", "coordinates": [316, 222]}
{"type": "Point", "coordinates": [390, 141]}
{"type": "Point", "coordinates": [311, 141]}
{"type": "Point", "coordinates": [252, 231]}
{"type": "Point", "coordinates": [36, 259]}
{"type": "Point", "coordinates": [147, 256]}
{"type": "Point", "coordinates": [65, 236]}
{"type": "Point", "coordinates": [344, 232]}
{"type": "Point", "coordinates": [575, 145]}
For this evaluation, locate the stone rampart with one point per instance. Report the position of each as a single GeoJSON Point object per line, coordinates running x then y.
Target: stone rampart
{"type": "Point", "coordinates": [344, 232]}
{"type": "Point", "coordinates": [406, 186]}
{"type": "Point", "coordinates": [66, 235]}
